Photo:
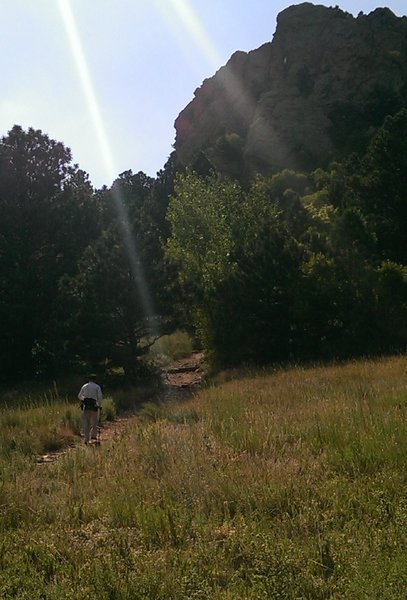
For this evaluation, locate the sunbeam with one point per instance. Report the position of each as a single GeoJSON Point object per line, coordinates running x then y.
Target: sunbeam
{"type": "Point", "coordinates": [184, 20]}
{"type": "Point", "coordinates": [194, 27]}
{"type": "Point", "coordinates": [87, 86]}
{"type": "Point", "coordinates": [107, 157]}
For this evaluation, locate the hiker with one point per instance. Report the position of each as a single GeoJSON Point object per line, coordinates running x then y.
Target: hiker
{"type": "Point", "coordinates": [90, 396]}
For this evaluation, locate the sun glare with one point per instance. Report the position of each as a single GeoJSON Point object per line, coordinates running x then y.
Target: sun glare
{"type": "Point", "coordinates": [185, 22]}
{"type": "Point", "coordinates": [87, 86]}
{"type": "Point", "coordinates": [183, 10]}
{"type": "Point", "coordinates": [106, 154]}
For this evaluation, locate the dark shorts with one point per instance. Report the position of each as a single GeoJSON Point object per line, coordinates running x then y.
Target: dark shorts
{"type": "Point", "coordinates": [89, 404]}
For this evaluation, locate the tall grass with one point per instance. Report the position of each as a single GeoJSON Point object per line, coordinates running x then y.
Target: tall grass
{"type": "Point", "coordinates": [284, 485]}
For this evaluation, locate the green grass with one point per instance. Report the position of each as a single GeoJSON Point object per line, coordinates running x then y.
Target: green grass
{"type": "Point", "coordinates": [171, 347]}
{"type": "Point", "coordinates": [282, 485]}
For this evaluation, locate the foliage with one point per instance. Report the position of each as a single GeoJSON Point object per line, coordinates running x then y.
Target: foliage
{"type": "Point", "coordinates": [171, 347]}
{"type": "Point", "coordinates": [381, 188]}
{"type": "Point", "coordinates": [227, 155]}
{"type": "Point", "coordinates": [116, 301]}
{"type": "Point", "coordinates": [74, 289]}
{"type": "Point", "coordinates": [294, 266]}
{"type": "Point", "coordinates": [46, 222]}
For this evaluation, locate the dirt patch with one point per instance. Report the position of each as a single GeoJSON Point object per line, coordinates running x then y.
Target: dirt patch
{"type": "Point", "coordinates": [181, 379]}
{"type": "Point", "coordinates": [185, 372]}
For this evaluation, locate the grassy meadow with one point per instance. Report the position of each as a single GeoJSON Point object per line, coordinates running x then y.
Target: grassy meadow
{"type": "Point", "coordinates": [279, 484]}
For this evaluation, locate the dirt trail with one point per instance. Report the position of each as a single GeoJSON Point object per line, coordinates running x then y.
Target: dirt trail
{"type": "Point", "coordinates": [183, 376]}
{"type": "Point", "coordinates": [180, 378]}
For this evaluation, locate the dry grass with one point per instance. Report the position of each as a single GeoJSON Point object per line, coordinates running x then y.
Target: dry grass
{"type": "Point", "coordinates": [286, 484]}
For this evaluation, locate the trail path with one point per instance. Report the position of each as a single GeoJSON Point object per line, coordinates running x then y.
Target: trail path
{"type": "Point", "coordinates": [180, 378]}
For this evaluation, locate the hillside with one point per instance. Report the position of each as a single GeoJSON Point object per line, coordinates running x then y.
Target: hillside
{"type": "Point", "coordinates": [279, 484]}
{"type": "Point", "coordinates": [319, 89]}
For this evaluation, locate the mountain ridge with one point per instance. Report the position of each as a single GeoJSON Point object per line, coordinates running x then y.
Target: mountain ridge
{"type": "Point", "coordinates": [321, 87]}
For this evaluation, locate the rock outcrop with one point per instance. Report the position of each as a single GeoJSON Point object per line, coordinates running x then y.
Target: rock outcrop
{"type": "Point", "coordinates": [321, 87]}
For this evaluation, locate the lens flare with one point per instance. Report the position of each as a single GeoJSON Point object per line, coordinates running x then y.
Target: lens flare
{"type": "Point", "coordinates": [87, 86]}
{"type": "Point", "coordinates": [195, 29]}
{"type": "Point", "coordinates": [107, 158]}
{"type": "Point", "coordinates": [184, 20]}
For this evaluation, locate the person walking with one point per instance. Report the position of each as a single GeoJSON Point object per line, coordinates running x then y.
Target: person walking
{"type": "Point", "coordinates": [90, 396]}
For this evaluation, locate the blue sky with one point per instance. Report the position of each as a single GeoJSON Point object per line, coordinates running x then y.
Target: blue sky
{"type": "Point", "coordinates": [109, 77]}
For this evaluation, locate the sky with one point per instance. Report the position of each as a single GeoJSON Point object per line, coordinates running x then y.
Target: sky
{"type": "Point", "coordinates": [109, 77]}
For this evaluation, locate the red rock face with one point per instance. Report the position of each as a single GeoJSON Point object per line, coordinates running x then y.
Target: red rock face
{"type": "Point", "coordinates": [292, 101]}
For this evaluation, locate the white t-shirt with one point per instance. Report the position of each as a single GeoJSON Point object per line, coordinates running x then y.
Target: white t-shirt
{"type": "Point", "coordinates": [91, 390]}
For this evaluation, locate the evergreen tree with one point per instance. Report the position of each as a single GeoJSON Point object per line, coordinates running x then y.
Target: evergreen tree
{"type": "Point", "coordinates": [46, 220]}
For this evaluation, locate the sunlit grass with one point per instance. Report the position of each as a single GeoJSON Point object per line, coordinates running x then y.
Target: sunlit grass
{"type": "Point", "coordinates": [171, 347]}
{"type": "Point", "coordinates": [287, 484]}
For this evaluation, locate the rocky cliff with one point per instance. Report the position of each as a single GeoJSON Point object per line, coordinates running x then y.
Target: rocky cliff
{"type": "Point", "coordinates": [318, 89]}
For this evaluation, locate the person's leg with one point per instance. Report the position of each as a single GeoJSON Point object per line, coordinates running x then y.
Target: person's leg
{"type": "Point", "coordinates": [86, 425]}
{"type": "Point", "coordinates": [94, 424]}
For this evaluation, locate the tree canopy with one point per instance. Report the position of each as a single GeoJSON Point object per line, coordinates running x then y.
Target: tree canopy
{"type": "Point", "coordinates": [298, 266]}
{"type": "Point", "coordinates": [72, 283]}
{"type": "Point", "coordinates": [288, 267]}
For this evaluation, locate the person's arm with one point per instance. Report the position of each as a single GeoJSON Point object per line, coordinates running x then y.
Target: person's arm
{"type": "Point", "coordinates": [81, 394]}
{"type": "Point", "coordinates": [99, 396]}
